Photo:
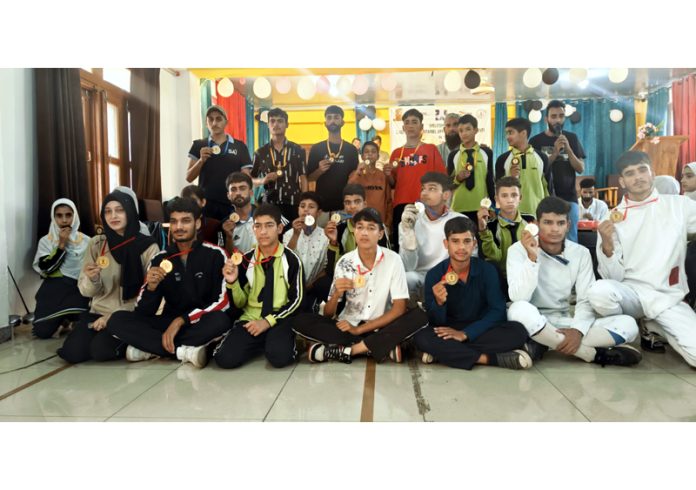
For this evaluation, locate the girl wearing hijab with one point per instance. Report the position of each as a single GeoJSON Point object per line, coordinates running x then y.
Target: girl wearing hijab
{"type": "Point", "coordinates": [688, 180]}
{"type": "Point", "coordinates": [112, 274]}
{"type": "Point", "coordinates": [58, 260]}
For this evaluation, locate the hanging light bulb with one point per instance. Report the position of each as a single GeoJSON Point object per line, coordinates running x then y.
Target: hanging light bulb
{"type": "Point", "coordinates": [262, 88]}
{"type": "Point", "coordinates": [532, 77]}
{"type": "Point", "coordinates": [225, 88]}
{"type": "Point", "coordinates": [453, 81]}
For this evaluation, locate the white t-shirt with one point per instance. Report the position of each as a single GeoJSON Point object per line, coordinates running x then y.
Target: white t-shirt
{"type": "Point", "coordinates": [312, 251]}
{"type": "Point", "coordinates": [598, 209]}
{"type": "Point", "coordinates": [385, 283]}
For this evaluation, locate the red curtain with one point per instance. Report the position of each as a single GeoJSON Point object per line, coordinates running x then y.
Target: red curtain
{"type": "Point", "coordinates": [684, 107]}
{"type": "Point", "coordinates": [235, 106]}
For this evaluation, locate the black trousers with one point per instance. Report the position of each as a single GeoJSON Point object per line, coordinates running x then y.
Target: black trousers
{"type": "Point", "coordinates": [84, 344]}
{"type": "Point", "coordinates": [503, 337]}
{"type": "Point", "coordinates": [239, 346]}
{"type": "Point", "coordinates": [57, 294]}
{"type": "Point", "coordinates": [396, 219]}
{"type": "Point", "coordinates": [145, 332]}
{"type": "Point", "coordinates": [322, 329]}
{"type": "Point", "coordinates": [690, 269]}
{"type": "Point", "coordinates": [312, 297]}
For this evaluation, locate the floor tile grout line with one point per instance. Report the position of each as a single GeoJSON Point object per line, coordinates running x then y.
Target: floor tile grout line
{"type": "Point", "coordinates": [421, 403]}
{"type": "Point", "coordinates": [35, 381]}
{"type": "Point", "coordinates": [367, 406]}
{"type": "Point", "coordinates": [280, 391]}
{"type": "Point", "coordinates": [563, 394]}
{"type": "Point", "coordinates": [141, 394]}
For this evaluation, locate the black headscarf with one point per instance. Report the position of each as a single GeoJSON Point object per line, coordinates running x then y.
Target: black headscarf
{"type": "Point", "coordinates": [128, 256]}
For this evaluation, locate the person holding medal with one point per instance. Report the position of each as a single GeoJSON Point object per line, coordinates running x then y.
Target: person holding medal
{"type": "Point", "coordinates": [471, 167]}
{"type": "Point", "coordinates": [280, 167]}
{"type": "Point", "coordinates": [374, 181]}
{"type": "Point", "coordinates": [409, 163]}
{"type": "Point", "coordinates": [212, 159]}
{"type": "Point", "coordinates": [238, 226]}
{"type": "Point", "coordinates": [525, 163]}
{"type": "Point", "coordinates": [112, 273]}
{"type": "Point", "coordinates": [58, 260]}
{"type": "Point", "coordinates": [370, 285]}
{"type": "Point", "coordinates": [267, 285]}
{"type": "Point", "coordinates": [466, 309]}
{"type": "Point", "coordinates": [187, 275]}
{"type": "Point", "coordinates": [330, 163]}
{"type": "Point", "coordinates": [543, 269]}
{"type": "Point", "coordinates": [641, 252]}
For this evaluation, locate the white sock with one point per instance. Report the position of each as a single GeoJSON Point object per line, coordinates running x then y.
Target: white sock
{"type": "Point", "coordinates": [598, 337]}
{"type": "Point", "coordinates": [551, 337]}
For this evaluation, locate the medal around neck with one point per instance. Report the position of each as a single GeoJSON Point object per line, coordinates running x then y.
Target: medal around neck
{"type": "Point", "coordinates": [166, 265]}
{"type": "Point", "coordinates": [616, 216]}
{"type": "Point", "coordinates": [99, 230]}
{"type": "Point", "coordinates": [234, 218]}
{"type": "Point", "coordinates": [486, 203]}
{"type": "Point", "coordinates": [420, 207]}
{"type": "Point", "coordinates": [451, 278]}
{"type": "Point", "coordinates": [469, 167]}
{"type": "Point", "coordinates": [237, 258]}
{"type": "Point", "coordinates": [103, 262]}
{"type": "Point", "coordinates": [279, 173]}
{"type": "Point", "coordinates": [216, 150]}
{"type": "Point", "coordinates": [359, 281]}
{"type": "Point", "coordinates": [515, 161]}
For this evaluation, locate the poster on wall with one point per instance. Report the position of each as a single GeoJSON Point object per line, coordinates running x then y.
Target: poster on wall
{"type": "Point", "coordinates": [434, 122]}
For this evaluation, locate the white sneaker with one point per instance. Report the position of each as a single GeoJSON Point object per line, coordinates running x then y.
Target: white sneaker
{"type": "Point", "coordinates": [427, 358]}
{"type": "Point", "coordinates": [136, 355]}
{"type": "Point", "coordinates": [195, 355]}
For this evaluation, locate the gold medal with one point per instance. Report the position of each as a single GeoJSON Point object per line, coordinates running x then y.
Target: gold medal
{"type": "Point", "coordinates": [166, 266]}
{"type": "Point", "coordinates": [279, 173]}
{"type": "Point", "coordinates": [515, 161]}
{"type": "Point", "coordinates": [103, 262]}
{"type": "Point", "coordinates": [395, 164]}
{"type": "Point", "coordinates": [616, 216]}
{"type": "Point", "coordinates": [216, 150]}
{"type": "Point", "coordinates": [486, 203]}
{"type": "Point", "coordinates": [469, 168]}
{"type": "Point", "coordinates": [234, 217]}
{"type": "Point", "coordinates": [451, 278]}
{"type": "Point", "coordinates": [332, 159]}
{"type": "Point", "coordinates": [359, 281]}
{"type": "Point", "coordinates": [99, 230]}
{"type": "Point", "coordinates": [237, 258]}
{"type": "Point", "coordinates": [336, 218]}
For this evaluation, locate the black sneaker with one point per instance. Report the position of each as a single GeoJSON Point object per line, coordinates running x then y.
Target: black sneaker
{"type": "Point", "coordinates": [621, 355]}
{"type": "Point", "coordinates": [535, 349]}
{"type": "Point", "coordinates": [324, 352]}
{"type": "Point", "coordinates": [652, 343]}
{"type": "Point", "coordinates": [516, 359]}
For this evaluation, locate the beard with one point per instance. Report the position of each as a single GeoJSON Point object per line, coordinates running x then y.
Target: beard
{"type": "Point", "coordinates": [185, 238]}
{"type": "Point", "coordinates": [555, 128]}
{"type": "Point", "coordinates": [240, 202]}
{"type": "Point", "coordinates": [333, 128]}
{"type": "Point", "coordinates": [453, 140]}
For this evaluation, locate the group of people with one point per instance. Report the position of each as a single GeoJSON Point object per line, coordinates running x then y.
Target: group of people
{"type": "Point", "coordinates": [442, 251]}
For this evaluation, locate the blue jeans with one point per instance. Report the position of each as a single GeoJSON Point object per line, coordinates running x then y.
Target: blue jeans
{"type": "Point", "coordinates": [574, 218]}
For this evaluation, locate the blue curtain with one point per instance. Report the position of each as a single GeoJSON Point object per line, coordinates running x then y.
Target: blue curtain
{"type": "Point", "coordinates": [500, 145]}
{"type": "Point", "coordinates": [250, 125]}
{"type": "Point", "coordinates": [206, 101]}
{"type": "Point", "coordinates": [602, 139]}
{"type": "Point", "coordinates": [264, 133]}
{"type": "Point", "coordinates": [538, 127]}
{"type": "Point", "coordinates": [364, 136]}
{"type": "Point", "coordinates": [658, 110]}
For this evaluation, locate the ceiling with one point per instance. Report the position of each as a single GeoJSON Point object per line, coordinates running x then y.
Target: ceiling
{"type": "Point", "coordinates": [426, 85]}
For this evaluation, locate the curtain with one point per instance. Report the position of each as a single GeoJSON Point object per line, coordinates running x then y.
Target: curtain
{"type": "Point", "coordinates": [658, 108]}
{"type": "Point", "coordinates": [236, 109]}
{"type": "Point", "coordinates": [500, 144]}
{"type": "Point", "coordinates": [360, 112]}
{"type": "Point", "coordinates": [263, 132]}
{"type": "Point", "coordinates": [144, 107]}
{"type": "Point", "coordinates": [538, 127]}
{"type": "Point", "coordinates": [684, 108]}
{"type": "Point", "coordinates": [206, 101]}
{"type": "Point", "coordinates": [62, 154]}
{"type": "Point", "coordinates": [249, 123]}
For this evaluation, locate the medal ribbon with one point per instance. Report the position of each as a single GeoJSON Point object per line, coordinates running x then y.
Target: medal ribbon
{"type": "Point", "coordinates": [334, 155]}
{"type": "Point", "coordinates": [625, 213]}
{"type": "Point", "coordinates": [116, 247]}
{"type": "Point", "coordinates": [361, 273]}
{"type": "Point", "coordinates": [224, 150]}
{"type": "Point", "coordinates": [285, 156]}
{"type": "Point", "coordinates": [401, 156]}
{"type": "Point", "coordinates": [462, 275]}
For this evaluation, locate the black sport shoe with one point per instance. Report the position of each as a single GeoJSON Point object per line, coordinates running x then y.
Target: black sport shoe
{"type": "Point", "coordinates": [534, 349]}
{"type": "Point", "coordinates": [324, 352]}
{"type": "Point", "coordinates": [652, 343]}
{"type": "Point", "coordinates": [621, 355]}
{"type": "Point", "coordinates": [516, 359]}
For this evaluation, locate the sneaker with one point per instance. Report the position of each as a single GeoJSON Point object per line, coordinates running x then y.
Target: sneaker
{"type": "Point", "coordinates": [324, 352]}
{"type": "Point", "coordinates": [621, 355]}
{"type": "Point", "coordinates": [516, 359]}
{"type": "Point", "coordinates": [652, 343]}
{"type": "Point", "coordinates": [396, 355]}
{"type": "Point", "coordinates": [534, 349]}
{"type": "Point", "coordinates": [137, 355]}
{"type": "Point", "coordinates": [427, 358]}
{"type": "Point", "coordinates": [196, 355]}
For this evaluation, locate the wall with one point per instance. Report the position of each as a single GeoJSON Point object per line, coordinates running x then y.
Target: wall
{"type": "Point", "coordinates": [180, 124]}
{"type": "Point", "coordinates": [19, 185]}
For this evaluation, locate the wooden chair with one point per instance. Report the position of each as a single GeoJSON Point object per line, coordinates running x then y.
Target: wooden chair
{"type": "Point", "coordinates": [610, 195]}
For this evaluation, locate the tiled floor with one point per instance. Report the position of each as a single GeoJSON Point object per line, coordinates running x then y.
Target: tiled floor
{"type": "Point", "coordinates": [661, 388]}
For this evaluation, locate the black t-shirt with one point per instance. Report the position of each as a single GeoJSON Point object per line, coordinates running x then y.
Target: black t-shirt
{"type": "Point", "coordinates": [233, 157]}
{"type": "Point", "coordinates": [563, 172]}
{"type": "Point", "coordinates": [331, 183]}
{"type": "Point", "coordinates": [291, 159]}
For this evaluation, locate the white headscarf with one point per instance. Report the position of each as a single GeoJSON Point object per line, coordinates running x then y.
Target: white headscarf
{"type": "Point", "coordinates": [76, 238]}
{"type": "Point", "coordinates": [666, 184]}
{"type": "Point", "coordinates": [691, 194]}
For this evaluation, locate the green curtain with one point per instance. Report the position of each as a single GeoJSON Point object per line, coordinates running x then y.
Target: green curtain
{"type": "Point", "coordinates": [206, 101]}
{"type": "Point", "coordinates": [658, 108]}
{"type": "Point", "coordinates": [500, 144]}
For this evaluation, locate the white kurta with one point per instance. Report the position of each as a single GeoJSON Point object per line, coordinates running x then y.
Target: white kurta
{"type": "Point", "coordinates": [312, 251]}
{"type": "Point", "coordinates": [598, 209]}
{"type": "Point", "coordinates": [650, 249]}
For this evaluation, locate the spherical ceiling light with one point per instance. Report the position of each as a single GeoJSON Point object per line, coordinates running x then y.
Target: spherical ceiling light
{"type": "Point", "coordinates": [388, 82]}
{"type": "Point", "coordinates": [577, 75]}
{"type": "Point", "coordinates": [344, 84]}
{"type": "Point", "coordinates": [225, 87]}
{"type": "Point", "coordinates": [550, 76]}
{"type": "Point", "coordinates": [360, 85]}
{"type": "Point", "coordinates": [283, 85]}
{"type": "Point", "coordinates": [532, 77]}
{"type": "Point", "coordinates": [452, 81]}
{"type": "Point", "coordinates": [534, 116]}
{"type": "Point", "coordinates": [365, 124]}
{"type": "Point", "coordinates": [472, 79]}
{"type": "Point", "coordinates": [262, 88]}
{"type": "Point", "coordinates": [616, 115]}
{"type": "Point", "coordinates": [306, 88]}
{"type": "Point", "coordinates": [618, 75]}
{"type": "Point", "coordinates": [379, 124]}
